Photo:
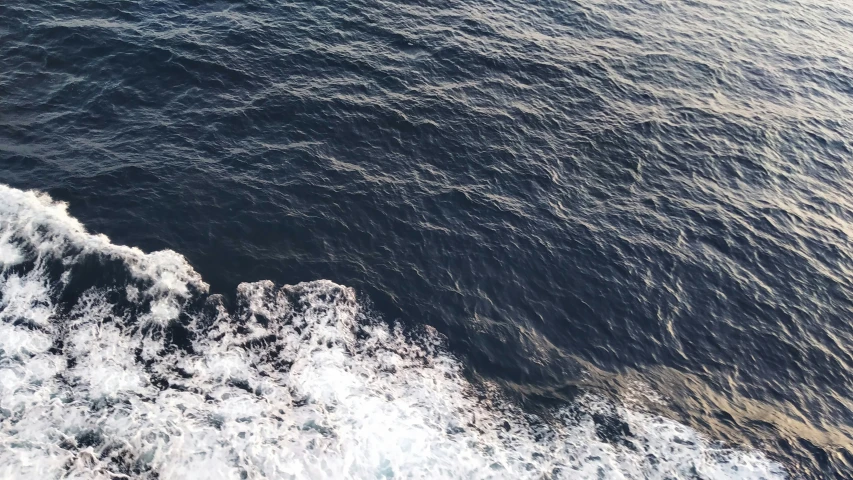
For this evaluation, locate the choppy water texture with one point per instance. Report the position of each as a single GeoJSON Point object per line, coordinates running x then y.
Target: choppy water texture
{"type": "Point", "coordinates": [579, 239]}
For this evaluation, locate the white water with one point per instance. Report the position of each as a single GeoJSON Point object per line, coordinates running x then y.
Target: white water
{"type": "Point", "coordinates": [296, 383]}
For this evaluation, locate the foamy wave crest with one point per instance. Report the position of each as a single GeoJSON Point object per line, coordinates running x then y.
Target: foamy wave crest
{"type": "Point", "coordinates": [115, 363]}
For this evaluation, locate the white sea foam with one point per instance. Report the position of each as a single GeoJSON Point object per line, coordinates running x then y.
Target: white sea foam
{"type": "Point", "coordinates": [9, 255]}
{"type": "Point", "coordinates": [294, 383]}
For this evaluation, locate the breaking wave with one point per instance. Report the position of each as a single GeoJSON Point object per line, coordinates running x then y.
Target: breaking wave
{"type": "Point", "coordinates": [115, 363]}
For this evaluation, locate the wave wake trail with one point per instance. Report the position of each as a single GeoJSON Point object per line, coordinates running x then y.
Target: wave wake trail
{"type": "Point", "coordinates": [115, 363]}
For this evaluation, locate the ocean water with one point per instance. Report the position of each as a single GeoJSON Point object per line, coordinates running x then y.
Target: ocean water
{"type": "Point", "coordinates": [371, 239]}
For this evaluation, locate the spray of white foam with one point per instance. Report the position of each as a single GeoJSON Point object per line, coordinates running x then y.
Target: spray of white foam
{"type": "Point", "coordinates": [295, 382]}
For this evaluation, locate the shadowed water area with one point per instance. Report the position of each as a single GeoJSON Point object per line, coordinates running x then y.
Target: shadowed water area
{"type": "Point", "coordinates": [594, 196]}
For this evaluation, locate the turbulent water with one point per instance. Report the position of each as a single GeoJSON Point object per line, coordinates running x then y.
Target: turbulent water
{"type": "Point", "coordinates": [134, 369]}
{"type": "Point", "coordinates": [568, 239]}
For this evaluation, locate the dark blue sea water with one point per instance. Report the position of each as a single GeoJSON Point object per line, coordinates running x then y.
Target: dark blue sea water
{"type": "Point", "coordinates": [568, 239]}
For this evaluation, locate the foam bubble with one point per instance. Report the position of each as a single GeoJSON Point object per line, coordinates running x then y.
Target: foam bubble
{"type": "Point", "coordinates": [295, 382]}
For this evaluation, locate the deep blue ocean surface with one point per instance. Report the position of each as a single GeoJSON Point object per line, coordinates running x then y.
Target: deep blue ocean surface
{"type": "Point", "coordinates": [437, 239]}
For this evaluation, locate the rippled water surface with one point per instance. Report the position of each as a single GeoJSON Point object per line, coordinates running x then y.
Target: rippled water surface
{"type": "Point", "coordinates": [584, 239]}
